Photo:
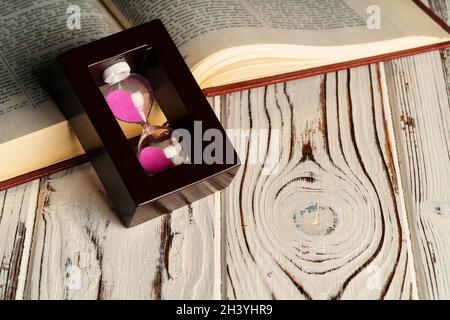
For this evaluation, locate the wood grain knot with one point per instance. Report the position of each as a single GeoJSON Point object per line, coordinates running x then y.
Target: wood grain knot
{"type": "Point", "coordinates": [442, 209]}
{"type": "Point", "coordinates": [408, 121]}
{"type": "Point", "coordinates": [316, 220]}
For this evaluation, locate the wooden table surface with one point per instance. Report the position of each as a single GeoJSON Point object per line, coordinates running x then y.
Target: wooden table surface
{"type": "Point", "coordinates": [359, 208]}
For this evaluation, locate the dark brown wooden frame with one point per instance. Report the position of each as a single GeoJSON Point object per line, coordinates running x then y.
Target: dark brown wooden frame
{"type": "Point", "coordinates": [150, 51]}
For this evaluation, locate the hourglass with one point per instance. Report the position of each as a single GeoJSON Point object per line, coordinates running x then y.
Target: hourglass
{"type": "Point", "coordinates": [130, 99]}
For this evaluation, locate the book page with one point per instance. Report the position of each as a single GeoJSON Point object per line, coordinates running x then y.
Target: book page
{"type": "Point", "coordinates": [33, 33]}
{"type": "Point", "coordinates": [200, 28]}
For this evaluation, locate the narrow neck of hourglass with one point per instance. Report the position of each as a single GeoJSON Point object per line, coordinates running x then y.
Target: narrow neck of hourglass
{"type": "Point", "coordinates": [147, 127]}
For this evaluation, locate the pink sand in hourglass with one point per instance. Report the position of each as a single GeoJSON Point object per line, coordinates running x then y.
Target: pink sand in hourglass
{"type": "Point", "coordinates": [154, 160]}
{"type": "Point", "coordinates": [122, 106]}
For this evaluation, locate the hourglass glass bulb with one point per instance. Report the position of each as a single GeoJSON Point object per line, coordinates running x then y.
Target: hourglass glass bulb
{"type": "Point", "coordinates": [128, 95]}
{"type": "Point", "coordinates": [130, 99]}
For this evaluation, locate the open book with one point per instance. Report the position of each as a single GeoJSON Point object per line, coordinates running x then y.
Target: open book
{"type": "Point", "coordinates": [228, 44]}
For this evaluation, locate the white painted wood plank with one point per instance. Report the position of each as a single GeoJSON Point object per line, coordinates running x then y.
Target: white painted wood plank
{"type": "Point", "coordinates": [331, 222]}
{"type": "Point", "coordinates": [17, 211]}
{"type": "Point", "coordinates": [81, 251]}
{"type": "Point", "coordinates": [419, 93]}
{"type": "Point", "coordinates": [417, 87]}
